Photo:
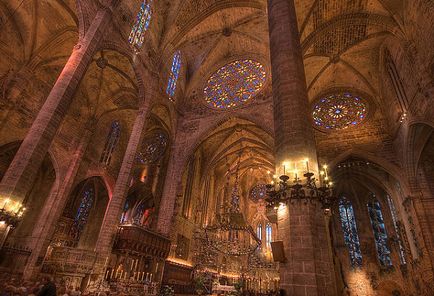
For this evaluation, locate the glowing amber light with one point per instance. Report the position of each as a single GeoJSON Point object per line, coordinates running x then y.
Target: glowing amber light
{"type": "Point", "coordinates": [339, 111]}
{"type": "Point", "coordinates": [234, 84]}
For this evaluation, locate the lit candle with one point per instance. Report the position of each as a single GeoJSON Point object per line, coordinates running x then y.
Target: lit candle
{"type": "Point", "coordinates": [6, 202]}
{"type": "Point", "coordinates": [111, 274]}
{"type": "Point", "coordinates": [284, 169]}
{"type": "Point", "coordinates": [307, 165]}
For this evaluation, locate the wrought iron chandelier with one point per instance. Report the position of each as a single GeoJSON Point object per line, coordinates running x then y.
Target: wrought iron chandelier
{"type": "Point", "coordinates": [301, 190]}
{"type": "Point", "coordinates": [230, 234]}
{"type": "Point", "coordinates": [12, 213]}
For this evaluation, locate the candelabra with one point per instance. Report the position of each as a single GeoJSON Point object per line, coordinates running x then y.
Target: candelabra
{"type": "Point", "coordinates": [12, 216]}
{"type": "Point", "coordinates": [230, 234]}
{"type": "Point", "coordinates": [301, 190]}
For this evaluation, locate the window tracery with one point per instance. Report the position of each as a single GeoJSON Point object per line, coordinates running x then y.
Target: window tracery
{"type": "Point", "coordinates": [80, 220]}
{"type": "Point", "coordinates": [111, 143]}
{"type": "Point", "coordinates": [153, 148]}
{"type": "Point", "coordinates": [268, 235]}
{"type": "Point", "coordinates": [349, 229]}
{"type": "Point", "coordinates": [396, 222]}
{"type": "Point", "coordinates": [380, 234]}
{"type": "Point", "coordinates": [234, 84]}
{"type": "Point", "coordinates": [258, 192]}
{"type": "Point", "coordinates": [339, 111]}
{"type": "Point", "coordinates": [143, 19]}
{"type": "Point", "coordinates": [259, 231]}
{"type": "Point", "coordinates": [174, 74]}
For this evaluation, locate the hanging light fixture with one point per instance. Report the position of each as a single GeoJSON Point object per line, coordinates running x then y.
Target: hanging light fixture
{"type": "Point", "coordinates": [306, 190]}
{"type": "Point", "coordinates": [229, 233]}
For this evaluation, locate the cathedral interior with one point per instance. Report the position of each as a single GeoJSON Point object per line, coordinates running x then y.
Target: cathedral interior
{"type": "Point", "coordinates": [217, 147]}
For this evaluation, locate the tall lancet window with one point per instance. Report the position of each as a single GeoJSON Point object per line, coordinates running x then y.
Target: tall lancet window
{"type": "Point", "coordinates": [268, 235]}
{"type": "Point", "coordinates": [174, 74]}
{"type": "Point", "coordinates": [349, 229]}
{"type": "Point", "coordinates": [259, 231]}
{"type": "Point", "coordinates": [80, 220]}
{"type": "Point", "coordinates": [137, 35]}
{"type": "Point", "coordinates": [379, 230]}
{"type": "Point", "coordinates": [111, 142]}
{"type": "Point", "coordinates": [397, 230]}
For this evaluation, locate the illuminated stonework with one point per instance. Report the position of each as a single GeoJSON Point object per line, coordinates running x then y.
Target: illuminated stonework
{"type": "Point", "coordinates": [235, 84]}
{"type": "Point", "coordinates": [258, 192]}
{"type": "Point", "coordinates": [339, 111]}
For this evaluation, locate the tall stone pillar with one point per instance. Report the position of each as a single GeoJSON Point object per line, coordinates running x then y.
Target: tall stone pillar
{"type": "Point", "coordinates": [171, 186]}
{"type": "Point", "coordinates": [53, 209]}
{"type": "Point", "coordinates": [309, 268]}
{"type": "Point", "coordinates": [21, 173]}
{"type": "Point", "coordinates": [114, 210]}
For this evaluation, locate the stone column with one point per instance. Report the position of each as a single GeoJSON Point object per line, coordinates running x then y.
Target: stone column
{"type": "Point", "coordinates": [114, 210]}
{"type": "Point", "coordinates": [175, 169]}
{"type": "Point", "coordinates": [55, 204]}
{"type": "Point", "coordinates": [309, 268]}
{"type": "Point", "coordinates": [21, 173]}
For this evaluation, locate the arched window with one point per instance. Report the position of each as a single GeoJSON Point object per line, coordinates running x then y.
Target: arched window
{"type": "Point", "coordinates": [125, 211]}
{"type": "Point", "coordinates": [111, 142]}
{"type": "Point", "coordinates": [259, 231]}
{"type": "Point", "coordinates": [380, 235]}
{"type": "Point", "coordinates": [174, 74]}
{"type": "Point", "coordinates": [397, 230]}
{"type": "Point", "coordinates": [80, 220]}
{"type": "Point", "coordinates": [137, 35]}
{"type": "Point", "coordinates": [349, 229]}
{"type": "Point", "coordinates": [268, 234]}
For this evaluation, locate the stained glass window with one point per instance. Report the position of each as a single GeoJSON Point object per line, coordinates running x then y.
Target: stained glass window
{"type": "Point", "coordinates": [80, 220]}
{"type": "Point", "coordinates": [174, 74]}
{"type": "Point", "coordinates": [259, 231]}
{"type": "Point", "coordinates": [234, 84]}
{"type": "Point", "coordinates": [380, 235]}
{"type": "Point", "coordinates": [258, 192]}
{"type": "Point", "coordinates": [111, 142]}
{"type": "Point", "coordinates": [396, 222]}
{"type": "Point", "coordinates": [268, 234]}
{"type": "Point", "coordinates": [139, 213]}
{"type": "Point", "coordinates": [153, 147]}
{"type": "Point", "coordinates": [339, 111]}
{"type": "Point", "coordinates": [137, 35]}
{"type": "Point", "coordinates": [125, 211]}
{"type": "Point", "coordinates": [349, 229]}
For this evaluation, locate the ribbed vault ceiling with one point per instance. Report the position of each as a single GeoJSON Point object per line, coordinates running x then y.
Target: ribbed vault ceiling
{"type": "Point", "coordinates": [340, 39]}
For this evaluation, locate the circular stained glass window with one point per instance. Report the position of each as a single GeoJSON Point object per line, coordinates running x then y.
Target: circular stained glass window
{"type": "Point", "coordinates": [258, 192]}
{"type": "Point", "coordinates": [235, 84]}
{"type": "Point", "coordinates": [339, 111]}
{"type": "Point", "coordinates": [153, 148]}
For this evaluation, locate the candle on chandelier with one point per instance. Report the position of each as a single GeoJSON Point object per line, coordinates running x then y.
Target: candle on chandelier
{"type": "Point", "coordinates": [307, 164]}
{"type": "Point", "coordinates": [6, 202]}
